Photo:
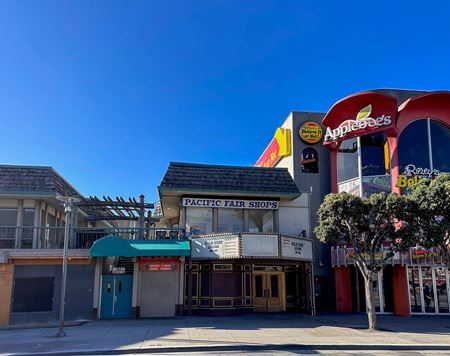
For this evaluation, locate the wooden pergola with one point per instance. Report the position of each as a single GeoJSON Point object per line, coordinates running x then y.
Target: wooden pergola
{"type": "Point", "coordinates": [118, 209]}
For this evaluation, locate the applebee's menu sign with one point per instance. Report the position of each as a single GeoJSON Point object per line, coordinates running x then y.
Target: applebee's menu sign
{"type": "Point", "coordinates": [362, 124]}
{"type": "Point", "coordinates": [230, 203]}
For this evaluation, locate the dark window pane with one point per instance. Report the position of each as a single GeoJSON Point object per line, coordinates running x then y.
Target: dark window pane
{"type": "Point", "coordinates": [274, 286]}
{"type": "Point", "coordinates": [248, 285]}
{"type": "Point", "coordinates": [310, 161]}
{"type": "Point", "coordinates": [259, 293]}
{"type": "Point", "coordinates": [194, 284]}
{"type": "Point", "coordinates": [440, 138]}
{"type": "Point", "coordinates": [413, 146]}
{"type": "Point", "coordinates": [291, 283]}
{"type": "Point", "coordinates": [204, 284]}
{"type": "Point", "coordinates": [33, 294]}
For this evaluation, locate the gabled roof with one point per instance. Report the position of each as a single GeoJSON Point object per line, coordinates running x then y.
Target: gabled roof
{"type": "Point", "coordinates": [33, 180]}
{"type": "Point", "coordinates": [202, 178]}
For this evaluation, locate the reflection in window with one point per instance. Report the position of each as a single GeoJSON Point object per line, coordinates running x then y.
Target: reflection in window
{"type": "Point", "coordinates": [260, 221]}
{"type": "Point", "coordinates": [347, 160]}
{"type": "Point", "coordinates": [413, 146]}
{"type": "Point", "coordinates": [440, 138]}
{"type": "Point", "coordinates": [375, 154]}
{"type": "Point", "coordinates": [310, 161]}
{"type": "Point", "coordinates": [231, 220]}
{"type": "Point", "coordinates": [199, 221]}
{"type": "Point", "coordinates": [8, 217]}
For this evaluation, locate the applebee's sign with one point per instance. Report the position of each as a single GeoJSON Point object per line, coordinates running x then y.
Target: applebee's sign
{"type": "Point", "coordinates": [360, 125]}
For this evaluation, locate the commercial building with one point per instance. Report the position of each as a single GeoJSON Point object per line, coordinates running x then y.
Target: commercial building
{"type": "Point", "coordinates": [31, 239]}
{"type": "Point", "coordinates": [226, 239]}
{"type": "Point", "coordinates": [249, 234]}
{"type": "Point", "coordinates": [379, 140]}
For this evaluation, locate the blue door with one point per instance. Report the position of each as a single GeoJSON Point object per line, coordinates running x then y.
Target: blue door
{"type": "Point", "coordinates": [116, 296]}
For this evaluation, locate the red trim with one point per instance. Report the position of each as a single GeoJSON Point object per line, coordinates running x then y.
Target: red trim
{"type": "Point", "coordinates": [435, 105]}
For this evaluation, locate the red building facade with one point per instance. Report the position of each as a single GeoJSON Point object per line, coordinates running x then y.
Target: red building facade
{"type": "Point", "coordinates": [386, 140]}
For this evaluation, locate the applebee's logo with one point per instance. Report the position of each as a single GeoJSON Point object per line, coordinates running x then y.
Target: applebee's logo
{"type": "Point", "coordinates": [362, 123]}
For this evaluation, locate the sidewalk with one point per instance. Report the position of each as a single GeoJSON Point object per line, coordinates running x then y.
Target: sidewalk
{"type": "Point", "coordinates": [250, 332]}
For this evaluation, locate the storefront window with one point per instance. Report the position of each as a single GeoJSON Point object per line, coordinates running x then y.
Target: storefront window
{"type": "Point", "coordinates": [8, 217]}
{"type": "Point", "coordinates": [231, 220]}
{"type": "Point", "coordinates": [374, 154]}
{"type": "Point", "coordinates": [199, 221]}
{"type": "Point", "coordinates": [440, 137]}
{"type": "Point", "coordinates": [260, 220]}
{"type": "Point", "coordinates": [347, 160]}
{"type": "Point", "coordinates": [413, 146]}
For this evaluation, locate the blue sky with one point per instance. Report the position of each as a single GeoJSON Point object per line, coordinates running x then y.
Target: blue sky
{"type": "Point", "coordinates": [109, 92]}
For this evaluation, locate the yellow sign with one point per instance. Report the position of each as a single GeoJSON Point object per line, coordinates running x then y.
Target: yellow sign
{"type": "Point", "coordinates": [310, 132]}
{"type": "Point", "coordinates": [279, 147]}
{"type": "Point", "coordinates": [404, 181]}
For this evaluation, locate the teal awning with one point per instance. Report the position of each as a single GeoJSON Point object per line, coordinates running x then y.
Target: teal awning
{"type": "Point", "coordinates": [117, 246]}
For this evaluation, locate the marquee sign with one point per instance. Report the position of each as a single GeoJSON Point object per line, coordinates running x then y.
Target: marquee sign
{"type": "Point", "coordinates": [310, 132]}
{"type": "Point", "coordinates": [296, 249]}
{"type": "Point", "coordinates": [215, 247]}
{"type": "Point", "coordinates": [259, 245]}
{"type": "Point", "coordinates": [358, 115]}
{"type": "Point", "coordinates": [229, 203]}
{"type": "Point", "coordinates": [279, 147]}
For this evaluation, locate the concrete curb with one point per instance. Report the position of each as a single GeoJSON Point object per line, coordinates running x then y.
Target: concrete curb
{"type": "Point", "coordinates": [244, 347]}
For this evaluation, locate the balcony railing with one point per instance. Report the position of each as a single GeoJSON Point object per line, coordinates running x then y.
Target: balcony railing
{"type": "Point", "coordinates": [29, 237]}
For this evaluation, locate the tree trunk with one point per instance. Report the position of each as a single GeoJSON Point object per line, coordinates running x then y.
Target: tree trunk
{"type": "Point", "coordinates": [371, 315]}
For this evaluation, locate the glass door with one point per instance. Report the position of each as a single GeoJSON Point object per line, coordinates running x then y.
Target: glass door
{"type": "Point", "coordinates": [441, 279]}
{"type": "Point", "coordinates": [429, 305]}
{"type": "Point", "coordinates": [414, 289]}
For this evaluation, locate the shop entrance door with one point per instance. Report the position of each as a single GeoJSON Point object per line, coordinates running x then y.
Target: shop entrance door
{"type": "Point", "coordinates": [116, 296]}
{"type": "Point", "coordinates": [268, 292]}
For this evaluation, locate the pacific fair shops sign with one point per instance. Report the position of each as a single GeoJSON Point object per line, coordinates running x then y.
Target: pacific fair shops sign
{"type": "Point", "coordinates": [229, 203]}
{"type": "Point", "coordinates": [279, 147]}
{"type": "Point", "coordinates": [362, 125]}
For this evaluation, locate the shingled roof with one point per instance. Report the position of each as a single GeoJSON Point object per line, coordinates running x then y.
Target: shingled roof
{"type": "Point", "coordinates": [229, 179]}
{"type": "Point", "coordinates": [33, 180]}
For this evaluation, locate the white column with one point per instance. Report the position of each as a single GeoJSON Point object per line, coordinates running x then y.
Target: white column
{"type": "Point", "coordinates": [97, 285]}
{"type": "Point", "coordinates": [135, 302]}
{"type": "Point", "coordinates": [36, 222]}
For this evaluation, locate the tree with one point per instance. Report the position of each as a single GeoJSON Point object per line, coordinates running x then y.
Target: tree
{"type": "Point", "coordinates": [433, 214]}
{"type": "Point", "coordinates": [367, 224]}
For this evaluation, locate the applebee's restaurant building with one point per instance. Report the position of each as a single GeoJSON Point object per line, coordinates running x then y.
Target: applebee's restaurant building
{"type": "Point", "coordinates": [386, 140]}
{"type": "Point", "coordinates": [250, 240]}
{"type": "Point", "coordinates": [381, 140]}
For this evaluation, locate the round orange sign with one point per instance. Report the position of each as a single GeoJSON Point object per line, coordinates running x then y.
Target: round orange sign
{"type": "Point", "coordinates": [310, 132]}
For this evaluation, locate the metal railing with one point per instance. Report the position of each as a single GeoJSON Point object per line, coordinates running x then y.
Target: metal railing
{"type": "Point", "coordinates": [32, 237]}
